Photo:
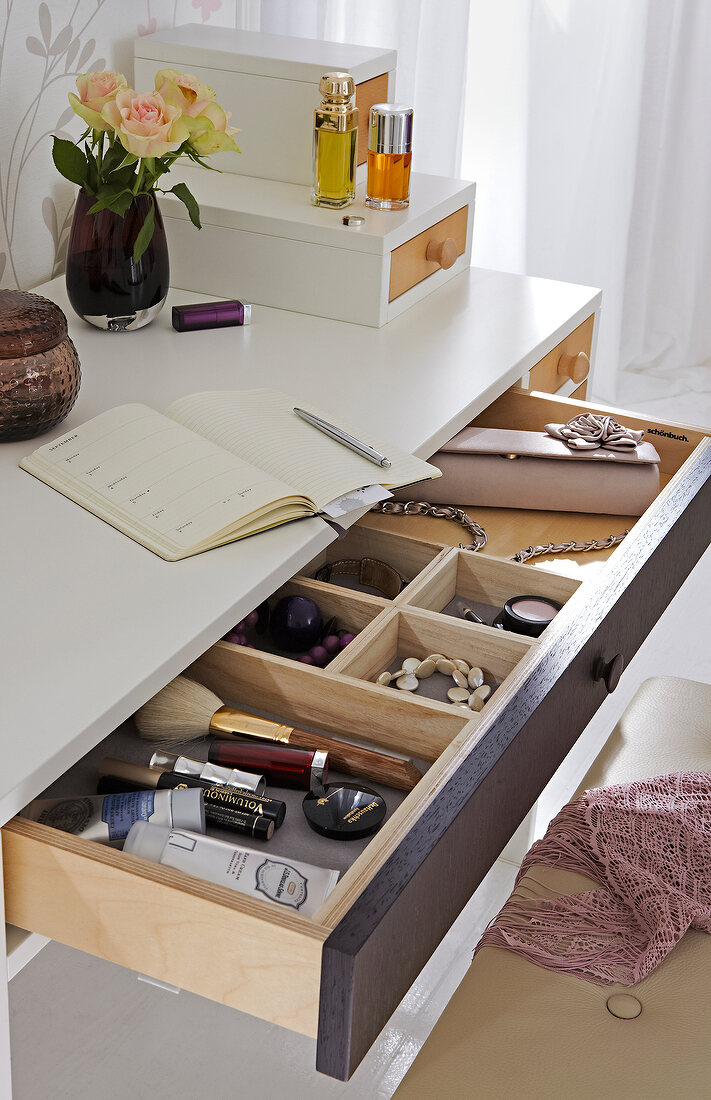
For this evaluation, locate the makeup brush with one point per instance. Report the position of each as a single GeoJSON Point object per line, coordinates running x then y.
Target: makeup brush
{"type": "Point", "coordinates": [185, 710]}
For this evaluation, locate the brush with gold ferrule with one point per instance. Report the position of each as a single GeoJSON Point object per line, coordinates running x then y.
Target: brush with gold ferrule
{"type": "Point", "coordinates": [185, 710]}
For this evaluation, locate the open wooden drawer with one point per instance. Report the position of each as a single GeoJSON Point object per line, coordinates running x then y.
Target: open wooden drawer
{"type": "Point", "coordinates": [340, 974]}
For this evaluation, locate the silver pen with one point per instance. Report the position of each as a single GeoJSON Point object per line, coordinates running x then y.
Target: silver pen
{"type": "Point", "coordinates": [344, 438]}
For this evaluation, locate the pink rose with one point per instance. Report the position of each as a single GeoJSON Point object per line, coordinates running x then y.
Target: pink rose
{"type": "Point", "coordinates": [206, 120]}
{"type": "Point", "coordinates": [95, 91]}
{"type": "Point", "coordinates": [145, 124]}
{"type": "Point", "coordinates": [184, 90]}
{"type": "Point", "coordinates": [210, 132]}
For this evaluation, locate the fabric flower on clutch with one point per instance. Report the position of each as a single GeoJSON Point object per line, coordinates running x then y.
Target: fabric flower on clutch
{"type": "Point", "coordinates": [589, 431]}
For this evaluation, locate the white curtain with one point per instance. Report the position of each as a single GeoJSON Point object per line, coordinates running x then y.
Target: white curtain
{"type": "Point", "coordinates": [586, 130]}
{"type": "Point", "coordinates": [431, 39]}
{"type": "Point", "coordinates": [666, 337]}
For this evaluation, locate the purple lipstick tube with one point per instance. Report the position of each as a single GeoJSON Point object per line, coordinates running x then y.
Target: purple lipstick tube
{"type": "Point", "coordinates": [211, 315]}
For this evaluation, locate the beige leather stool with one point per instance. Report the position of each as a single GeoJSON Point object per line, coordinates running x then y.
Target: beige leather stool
{"type": "Point", "coordinates": [514, 1031]}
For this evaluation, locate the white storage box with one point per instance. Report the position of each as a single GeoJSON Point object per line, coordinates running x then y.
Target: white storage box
{"type": "Point", "coordinates": [270, 83]}
{"type": "Point", "coordinates": [264, 242]}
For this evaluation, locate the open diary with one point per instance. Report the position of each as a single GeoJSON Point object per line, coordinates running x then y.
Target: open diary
{"type": "Point", "coordinates": [214, 468]}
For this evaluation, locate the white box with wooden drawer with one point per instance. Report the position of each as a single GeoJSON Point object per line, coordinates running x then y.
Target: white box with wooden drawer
{"type": "Point", "coordinates": [264, 242]}
{"type": "Point", "coordinates": [339, 974]}
{"type": "Point", "coordinates": [270, 83]}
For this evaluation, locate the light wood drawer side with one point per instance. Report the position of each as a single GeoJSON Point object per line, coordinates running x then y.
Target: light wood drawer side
{"type": "Point", "coordinates": [203, 938]}
{"type": "Point", "coordinates": [369, 92]}
{"type": "Point", "coordinates": [409, 264]}
{"type": "Point", "coordinates": [544, 376]}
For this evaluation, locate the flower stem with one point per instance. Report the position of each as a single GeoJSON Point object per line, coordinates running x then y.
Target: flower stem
{"type": "Point", "coordinates": [139, 178]}
{"type": "Point", "coordinates": [99, 139]}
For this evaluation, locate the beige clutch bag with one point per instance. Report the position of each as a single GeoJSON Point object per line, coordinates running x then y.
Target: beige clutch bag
{"type": "Point", "coordinates": [498, 468]}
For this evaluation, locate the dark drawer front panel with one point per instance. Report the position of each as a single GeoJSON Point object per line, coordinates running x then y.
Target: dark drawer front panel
{"type": "Point", "coordinates": [375, 953]}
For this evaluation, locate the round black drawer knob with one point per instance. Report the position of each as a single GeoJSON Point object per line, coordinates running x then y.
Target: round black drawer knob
{"type": "Point", "coordinates": [609, 671]}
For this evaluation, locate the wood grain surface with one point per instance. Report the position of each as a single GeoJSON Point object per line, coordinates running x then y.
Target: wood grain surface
{"type": "Point", "coordinates": [250, 954]}
{"type": "Point", "coordinates": [379, 946]}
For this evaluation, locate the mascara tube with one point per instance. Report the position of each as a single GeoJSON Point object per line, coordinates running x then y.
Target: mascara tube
{"type": "Point", "coordinates": [222, 802]}
{"type": "Point", "coordinates": [201, 769]}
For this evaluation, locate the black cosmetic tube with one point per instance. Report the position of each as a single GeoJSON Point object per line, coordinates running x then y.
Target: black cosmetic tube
{"type": "Point", "coordinates": [221, 801]}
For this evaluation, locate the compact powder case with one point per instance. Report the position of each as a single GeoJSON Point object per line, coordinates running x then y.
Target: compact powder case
{"type": "Point", "coordinates": [345, 811]}
{"type": "Point", "coordinates": [528, 615]}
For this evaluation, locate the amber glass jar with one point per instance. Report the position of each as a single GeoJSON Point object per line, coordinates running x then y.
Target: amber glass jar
{"type": "Point", "coordinates": [389, 156]}
{"type": "Point", "coordinates": [39, 365]}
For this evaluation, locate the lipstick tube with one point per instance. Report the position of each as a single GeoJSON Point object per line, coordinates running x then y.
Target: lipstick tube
{"type": "Point", "coordinates": [282, 766]}
{"type": "Point", "coordinates": [211, 315]}
{"type": "Point", "coordinates": [222, 802]}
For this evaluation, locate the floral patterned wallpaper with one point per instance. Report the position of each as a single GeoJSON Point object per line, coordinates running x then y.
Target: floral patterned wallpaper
{"type": "Point", "coordinates": [43, 48]}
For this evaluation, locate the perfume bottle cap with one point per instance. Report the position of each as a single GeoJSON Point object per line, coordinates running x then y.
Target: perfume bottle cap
{"type": "Point", "coordinates": [337, 85]}
{"type": "Point", "coordinates": [390, 128]}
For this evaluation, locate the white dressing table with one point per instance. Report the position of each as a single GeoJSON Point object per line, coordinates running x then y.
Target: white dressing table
{"type": "Point", "coordinates": [94, 625]}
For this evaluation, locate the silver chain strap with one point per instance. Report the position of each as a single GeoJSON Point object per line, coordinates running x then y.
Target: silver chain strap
{"type": "Point", "coordinates": [569, 547]}
{"type": "Point", "coordinates": [421, 508]}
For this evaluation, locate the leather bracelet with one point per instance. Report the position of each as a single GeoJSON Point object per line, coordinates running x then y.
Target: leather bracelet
{"type": "Point", "coordinates": [369, 571]}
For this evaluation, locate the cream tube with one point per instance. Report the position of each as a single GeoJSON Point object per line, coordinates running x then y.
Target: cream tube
{"type": "Point", "coordinates": [108, 818]}
{"type": "Point", "coordinates": [287, 882]}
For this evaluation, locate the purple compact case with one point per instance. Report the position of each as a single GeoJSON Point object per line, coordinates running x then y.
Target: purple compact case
{"type": "Point", "coordinates": [211, 315]}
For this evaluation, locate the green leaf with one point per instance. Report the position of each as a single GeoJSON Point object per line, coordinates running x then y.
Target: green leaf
{"type": "Point", "coordinates": [69, 161]}
{"type": "Point", "coordinates": [122, 202]}
{"type": "Point", "coordinates": [112, 159]}
{"type": "Point", "coordinates": [182, 192]}
{"type": "Point", "coordinates": [117, 199]}
{"type": "Point", "coordinates": [145, 233]}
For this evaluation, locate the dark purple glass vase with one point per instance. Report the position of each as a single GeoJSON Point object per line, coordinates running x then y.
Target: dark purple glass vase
{"type": "Point", "coordinates": [104, 285]}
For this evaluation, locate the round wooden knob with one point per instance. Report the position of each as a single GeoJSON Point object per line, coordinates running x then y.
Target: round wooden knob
{"type": "Point", "coordinates": [609, 671]}
{"type": "Point", "coordinates": [576, 367]}
{"type": "Point", "coordinates": [443, 253]}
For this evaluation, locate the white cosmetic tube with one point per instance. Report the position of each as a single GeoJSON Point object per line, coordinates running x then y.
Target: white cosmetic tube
{"type": "Point", "coordinates": [288, 882]}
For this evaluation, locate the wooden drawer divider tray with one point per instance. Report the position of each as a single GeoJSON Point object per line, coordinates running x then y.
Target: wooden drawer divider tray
{"type": "Point", "coordinates": [340, 974]}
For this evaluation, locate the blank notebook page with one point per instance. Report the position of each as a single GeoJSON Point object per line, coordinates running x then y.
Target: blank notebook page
{"type": "Point", "coordinates": [261, 427]}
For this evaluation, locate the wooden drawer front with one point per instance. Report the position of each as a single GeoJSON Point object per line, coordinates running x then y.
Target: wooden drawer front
{"type": "Point", "coordinates": [409, 264]}
{"type": "Point", "coordinates": [369, 92]}
{"type": "Point", "coordinates": [204, 938]}
{"type": "Point", "coordinates": [489, 786]}
{"type": "Point", "coordinates": [569, 361]}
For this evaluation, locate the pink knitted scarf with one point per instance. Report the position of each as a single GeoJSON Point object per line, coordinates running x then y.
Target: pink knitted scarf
{"type": "Point", "coordinates": [648, 845]}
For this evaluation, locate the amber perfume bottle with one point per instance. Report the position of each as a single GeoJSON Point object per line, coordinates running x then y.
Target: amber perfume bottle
{"type": "Point", "coordinates": [389, 156]}
{"type": "Point", "coordinates": [335, 140]}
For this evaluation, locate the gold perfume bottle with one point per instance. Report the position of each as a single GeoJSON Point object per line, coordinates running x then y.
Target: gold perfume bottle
{"type": "Point", "coordinates": [389, 156]}
{"type": "Point", "coordinates": [335, 139]}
